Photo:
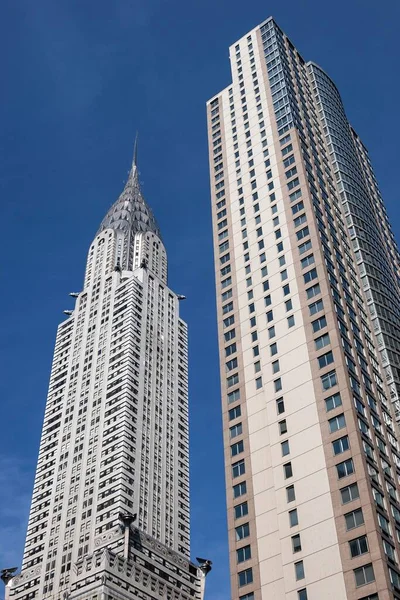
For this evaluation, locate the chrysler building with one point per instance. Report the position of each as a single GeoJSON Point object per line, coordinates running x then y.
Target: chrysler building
{"type": "Point", "coordinates": [109, 517]}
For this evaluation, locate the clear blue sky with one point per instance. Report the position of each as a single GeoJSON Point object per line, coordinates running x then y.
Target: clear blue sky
{"type": "Point", "coordinates": [79, 77]}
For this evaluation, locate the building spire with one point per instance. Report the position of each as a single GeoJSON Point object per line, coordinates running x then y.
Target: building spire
{"type": "Point", "coordinates": [131, 213]}
{"type": "Point", "coordinates": [135, 147]}
{"type": "Point", "coordinates": [133, 178]}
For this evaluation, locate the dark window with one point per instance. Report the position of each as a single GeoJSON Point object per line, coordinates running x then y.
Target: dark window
{"type": "Point", "coordinates": [245, 577]}
{"type": "Point", "coordinates": [241, 510]}
{"type": "Point", "coordinates": [358, 546]}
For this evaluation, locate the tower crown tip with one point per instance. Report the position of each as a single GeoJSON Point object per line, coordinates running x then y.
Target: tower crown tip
{"type": "Point", "coordinates": [131, 212]}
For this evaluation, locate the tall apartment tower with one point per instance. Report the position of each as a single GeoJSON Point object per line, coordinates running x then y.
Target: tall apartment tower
{"type": "Point", "coordinates": [109, 517]}
{"type": "Point", "coordinates": [308, 295]}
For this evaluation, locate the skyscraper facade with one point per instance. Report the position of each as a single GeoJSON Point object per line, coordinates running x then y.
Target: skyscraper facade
{"type": "Point", "coordinates": [110, 508]}
{"type": "Point", "coordinates": [308, 301]}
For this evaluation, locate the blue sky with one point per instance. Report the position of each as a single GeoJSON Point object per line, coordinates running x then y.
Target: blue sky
{"type": "Point", "coordinates": [78, 79]}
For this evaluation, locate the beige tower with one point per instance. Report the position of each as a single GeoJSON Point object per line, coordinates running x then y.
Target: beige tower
{"type": "Point", "coordinates": [308, 316]}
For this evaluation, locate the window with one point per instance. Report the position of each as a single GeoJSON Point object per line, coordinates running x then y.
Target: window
{"type": "Point", "coordinates": [287, 470]}
{"type": "Point", "coordinates": [345, 468]}
{"type": "Point", "coordinates": [270, 316]}
{"type": "Point", "coordinates": [226, 282]}
{"type": "Point", "coordinates": [371, 596]}
{"type": "Point", "coordinates": [349, 493]}
{"type": "Point", "coordinates": [282, 427]}
{"type": "Point", "coordinates": [286, 289]}
{"type": "Point", "coordinates": [229, 321]}
{"type": "Point", "coordinates": [227, 308]}
{"type": "Point", "coordinates": [310, 275]}
{"type": "Point", "coordinates": [275, 366]}
{"type": "Point", "coordinates": [234, 413]}
{"type": "Point", "coordinates": [239, 489]}
{"type": "Point", "coordinates": [241, 510]}
{"type": "Point", "coordinates": [288, 161]}
{"type": "Point", "coordinates": [271, 332]}
{"type": "Point", "coordinates": [315, 306]}
{"type": "Point", "coordinates": [285, 448]}
{"type": "Point", "coordinates": [256, 351]}
{"type": "Point", "coordinates": [389, 551]}
{"type": "Point", "coordinates": [300, 220]}
{"type": "Point", "coordinates": [380, 501]}
{"type": "Point", "coordinates": [257, 367]}
{"type": "Point", "coordinates": [243, 554]}
{"type": "Point", "coordinates": [384, 524]}
{"type": "Point", "coordinates": [242, 531]}
{"type": "Point", "coordinates": [295, 195]}
{"type": "Point", "coordinates": [391, 490]}
{"type": "Point", "coordinates": [284, 140]}
{"type": "Point", "coordinates": [290, 321]}
{"type": "Point", "coordinates": [296, 543]}
{"type": "Point", "coordinates": [294, 183]}
{"type": "Point", "coordinates": [329, 380]}
{"type": "Point", "coordinates": [302, 594]}
{"type": "Point", "coordinates": [354, 519]}
{"type": "Point", "coordinates": [231, 364]}
{"type": "Point", "coordinates": [358, 546]}
{"type": "Point", "coordinates": [297, 207]}
{"type": "Point", "coordinates": [236, 430]}
{"type": "Point", "coordinates": [224, 259]}
{"type": "Point", "coordinates": [287, 149]}
{"type": "Point", "coordinates": [305, 246]}
{"type": "Point", "coordinates": [340, 445]}
{"type": "Point", "coordinates": [224, 246]}
{"type": "Point", "coordinates": [237, 448]}
{"type": "Point", "coordinates": [313, 291]}
{"type": "Point", "coordinates": [238, 468]}
{"type": "Point", "coordinates": [337, 423]}
{"type": "Point", "coordinates": [333, 401]}
{"type": "Point", "coordinates": [232, 380]}
{"type": "Point", "coordinates": [278, 384]}
{"type": "Point", "coordinates": [299, 570]}
{"type": "Point", "coordinates": [229, 335]}
{"type": "Point", "coordinates": [364, 575]}
{"type": "Point", "coordinates": [307, 261]}
{"type": "Point", "coordinates": [288, 305]}
{"type": "Point", "coordinates": [325, 360]}
{"type": "Point", "coordinates": [273, 349]}
{"type": "Point", "coordinates": [319, 324]}
{"type": "Point", "coordinates": [290, 493]}
{"type": "Point", "coordinates": [259, 383]}
{"type": "Point", "coordinates": [245, 577]}
{"type": "Point", "coordinates": [280, 406]}
{"type": "Point", "coordinates": [233, 396]}
{"type": "Point", "coordinates": [291, 172]}
{"type": "Point", "coordinates": [247, 596]}
{"type": "Point", "coordinates": [302, 233]}
{"type": "Point", "coordinates": [394, 578]}
{"type": "Point", "coordinates": [226, 295]}
{"type": "Point", "coordinates": [293, 517]}
{"type": "Point", "coordinates": [322, 340]}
